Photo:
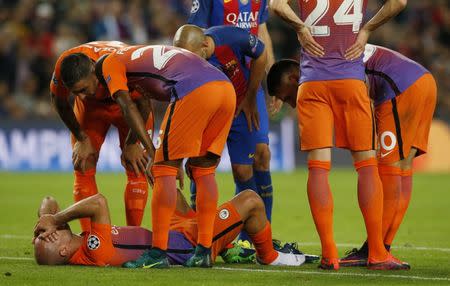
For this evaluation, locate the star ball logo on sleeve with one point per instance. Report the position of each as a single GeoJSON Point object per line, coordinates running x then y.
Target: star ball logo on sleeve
{"type": "Point", "coordinates": [93, 242]}
{"type": "Point", "coordinates": [195, 6]}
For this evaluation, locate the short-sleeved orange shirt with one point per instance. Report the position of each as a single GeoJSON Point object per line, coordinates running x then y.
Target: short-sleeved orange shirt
{"type": "Point", "coordinates": [94, 50]}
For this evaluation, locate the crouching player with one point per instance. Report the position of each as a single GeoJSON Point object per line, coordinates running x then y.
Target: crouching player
{"type": "Point", "coordinates": [105, 244]}
{"type": "Point", "coordinates": [405, 96]}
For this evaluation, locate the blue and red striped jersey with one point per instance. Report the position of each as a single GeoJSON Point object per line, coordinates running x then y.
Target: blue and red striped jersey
{"type": "Point", "coordinates": [245, 14]}
{"type": "Point", "coordinates": [232, 46]}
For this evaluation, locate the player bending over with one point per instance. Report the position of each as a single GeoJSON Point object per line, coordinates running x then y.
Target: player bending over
{"type": "Point", "coordinates": [89, 120]}
{"type": "Point", "coordinates": [228, 48]}
{"type": "Point", "coordinates": [105, 244]}
{"type": "Point", "coordinates": [282, 82]}
{"type": "Point", "coordinates": [405, 97]}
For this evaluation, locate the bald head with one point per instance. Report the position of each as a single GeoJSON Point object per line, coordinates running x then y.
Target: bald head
{"type": "Point", "coordinates": [53, 253]}
{"type": "Point", "coordinates": [191, 38]}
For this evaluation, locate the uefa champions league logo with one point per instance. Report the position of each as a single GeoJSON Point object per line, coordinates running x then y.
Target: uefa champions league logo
{"type": "Point", "coordinates": [93, 242]}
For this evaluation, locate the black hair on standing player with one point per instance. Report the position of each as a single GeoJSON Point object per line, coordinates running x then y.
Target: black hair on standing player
{"type": "Point", "coordinates": [277, 71]}
{"type": "Point", "coordinates": [74, 68]}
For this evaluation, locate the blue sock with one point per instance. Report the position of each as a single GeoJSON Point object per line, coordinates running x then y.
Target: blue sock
{"type": "Point", "coordinates": [193, 190]}
{"type": "Point", "coordinates": [242, 186]}
{"type": "Point", "coordinates": [264, 185]}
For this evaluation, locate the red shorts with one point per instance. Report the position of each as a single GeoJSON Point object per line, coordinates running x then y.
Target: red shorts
{"type": "Point", "coordinates": [404, 121]}
{"type": "Point", "coordinates": [96, 117]}
{"type": "Point", "coordinates": [198, 123]}
{"type": "Point", "coordinates": [340, 105]}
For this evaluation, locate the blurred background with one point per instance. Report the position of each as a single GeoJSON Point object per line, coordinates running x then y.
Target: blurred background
{"type": "Point", "coordinates": [33, 34]}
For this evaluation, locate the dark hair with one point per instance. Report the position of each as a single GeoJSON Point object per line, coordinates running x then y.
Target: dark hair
{"type": "Point", "coordinates": [74, 68]}
{"type": "Point", "coordinates": [277, 71]}
{"type": "Point", "coordinates": [99, 69]}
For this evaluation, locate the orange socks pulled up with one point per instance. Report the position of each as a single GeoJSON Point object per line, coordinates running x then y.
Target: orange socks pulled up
{"type": "Point", "coordinates": [207, 198]}
{"type": "Point", "coordinates": [84, 186]}
{"type": "Point", "coordinates": [262, 241]}
{"type": "Point", "coordinates": [321, 205]}
{"type": "Point", "coordinates": [370, 199]}
{"type": "Point", "coordinates": [135, 196]}
{"type": "Point", "coordinates": [402, 206]}
{"type": "Point", "coordinates": [164, 201]}
{"type": "Point", "coordinates": [391, 180]}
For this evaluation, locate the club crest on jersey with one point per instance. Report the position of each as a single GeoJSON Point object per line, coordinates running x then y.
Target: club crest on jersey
{"type": "Point", "coordinates": [93, 242]}
{"type": "Point", "coordinates": [224, 214]}
{"type": "Point", "coordinates": [195, 6]}
{"type": "Point", "coordinates": [244, 2]}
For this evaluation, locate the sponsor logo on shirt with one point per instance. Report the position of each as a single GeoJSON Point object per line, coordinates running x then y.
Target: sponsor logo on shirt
{"type": "Point", "coordinates": [244, 20]}
{"type": "Point", "coordinates": [244, 2]}
{"type": "Point", "coordinates": [231, 68]}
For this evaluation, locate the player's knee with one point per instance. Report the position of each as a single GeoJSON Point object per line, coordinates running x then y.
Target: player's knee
{"type": "Point", "coordinates": [91, 163]}
{"type": "Point", "coordinates": [262, 157]}
{"type": "Point", "coordinates": [242, 173]}
{"type": "Point", "coordinates": [252, 200]}
{"type": "Point", "coordinates": [209, 160]}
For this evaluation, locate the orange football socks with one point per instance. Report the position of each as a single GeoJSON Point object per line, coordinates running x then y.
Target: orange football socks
{"type": "Point", "coordinates": [403, 203]}
{"type": "Point", "coordinates": [321, 205]}
{"type": "Point", "coordinates": [164, 201]}
{"type": "Point", "coordinates": [135, 196]}
{"type": "Point", "coordinates": [207, 198]}
{"type": "Point", "coordinates": [84, 186]}
{"type": "Point", "coordinates": [370, 198]}
{"type": "Point", "coordinates": [262, 241]}
{"type": "Point", "coordinates": [391, 180]}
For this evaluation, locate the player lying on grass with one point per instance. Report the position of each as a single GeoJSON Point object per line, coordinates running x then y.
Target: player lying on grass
{"type": "Point", "coordinates": [104, 244]}
{"type": "Point", "coordinates": [89, 119]}
{"type": "Point", "coordinates": [405, 95]}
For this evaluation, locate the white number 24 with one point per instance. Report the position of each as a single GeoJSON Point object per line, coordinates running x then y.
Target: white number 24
{"type": "Point", "coordinates": [160, 57]}
{"type": "Point", "coordinates": [341, 17]}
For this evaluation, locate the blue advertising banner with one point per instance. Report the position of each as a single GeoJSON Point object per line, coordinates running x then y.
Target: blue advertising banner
{"type": "Point", "coordinates": [45, 146]}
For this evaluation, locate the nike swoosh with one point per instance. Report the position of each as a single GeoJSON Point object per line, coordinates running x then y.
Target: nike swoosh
{"type": "Point", "coordinates": [251, 155]}
{"type": "Point", "coordinates": [385, 154]}
{"type": "Point", "coordinates": [266, 187]}
{"type": "Point", "coordinates": [151, 265]}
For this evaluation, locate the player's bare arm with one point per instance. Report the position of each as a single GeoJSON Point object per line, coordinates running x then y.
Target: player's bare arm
{"type": "Point", "coordinates": [248, 105]}
{"type": "Point", "coordinates": [390, 9]}
{"type": "Point", "coordinates": [94, 207]}
{"type": "Point", "coordinates": [133, 155]}
{"type": "Point", "coordinates": [136, 123]}
{"type": "Point", "coordinates": [83, 148]}
{"type": "Point", "coordinates": [284, 10]}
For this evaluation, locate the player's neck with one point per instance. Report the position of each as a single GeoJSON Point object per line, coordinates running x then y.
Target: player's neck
{"type": "Point", "coordinates": [75, 243]}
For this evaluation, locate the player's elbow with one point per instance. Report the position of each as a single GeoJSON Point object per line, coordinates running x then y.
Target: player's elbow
{"type": "Point", "coordinates": [402, 4]}
{"type": "Point", "coordinates": [100, 201]}
{"type": "Point", "coordinates": [276, 5]}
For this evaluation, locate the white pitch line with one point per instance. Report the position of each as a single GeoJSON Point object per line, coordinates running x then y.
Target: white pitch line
{"type": "Point", "coordinates": [423, 248]}
{"type": "Point", "coordinates": [335, 274]}
{"type": "Point", "coordinates": [15, 258]}
{"type": "Point", "coordinates": [298, 272]}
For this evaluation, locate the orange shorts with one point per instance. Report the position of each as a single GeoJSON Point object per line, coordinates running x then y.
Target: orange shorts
{"type": "Point", "coordinates": [96, 117]}
{"type": "Point", "coordinates": [227, 226]}
{"type": "Point", "coordinates": [342, 105]}
{"type": "Point", "coordinates": [198, 123]}
{"type": "Point", "coordinates": [404, 121]}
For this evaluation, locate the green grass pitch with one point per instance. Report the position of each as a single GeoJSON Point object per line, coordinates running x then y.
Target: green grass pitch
{"type": "Point", "coordinates": [423, 239]}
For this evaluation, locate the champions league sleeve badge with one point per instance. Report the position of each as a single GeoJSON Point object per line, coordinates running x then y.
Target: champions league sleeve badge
{"type": "Point", "coordinates": [93, 242]}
